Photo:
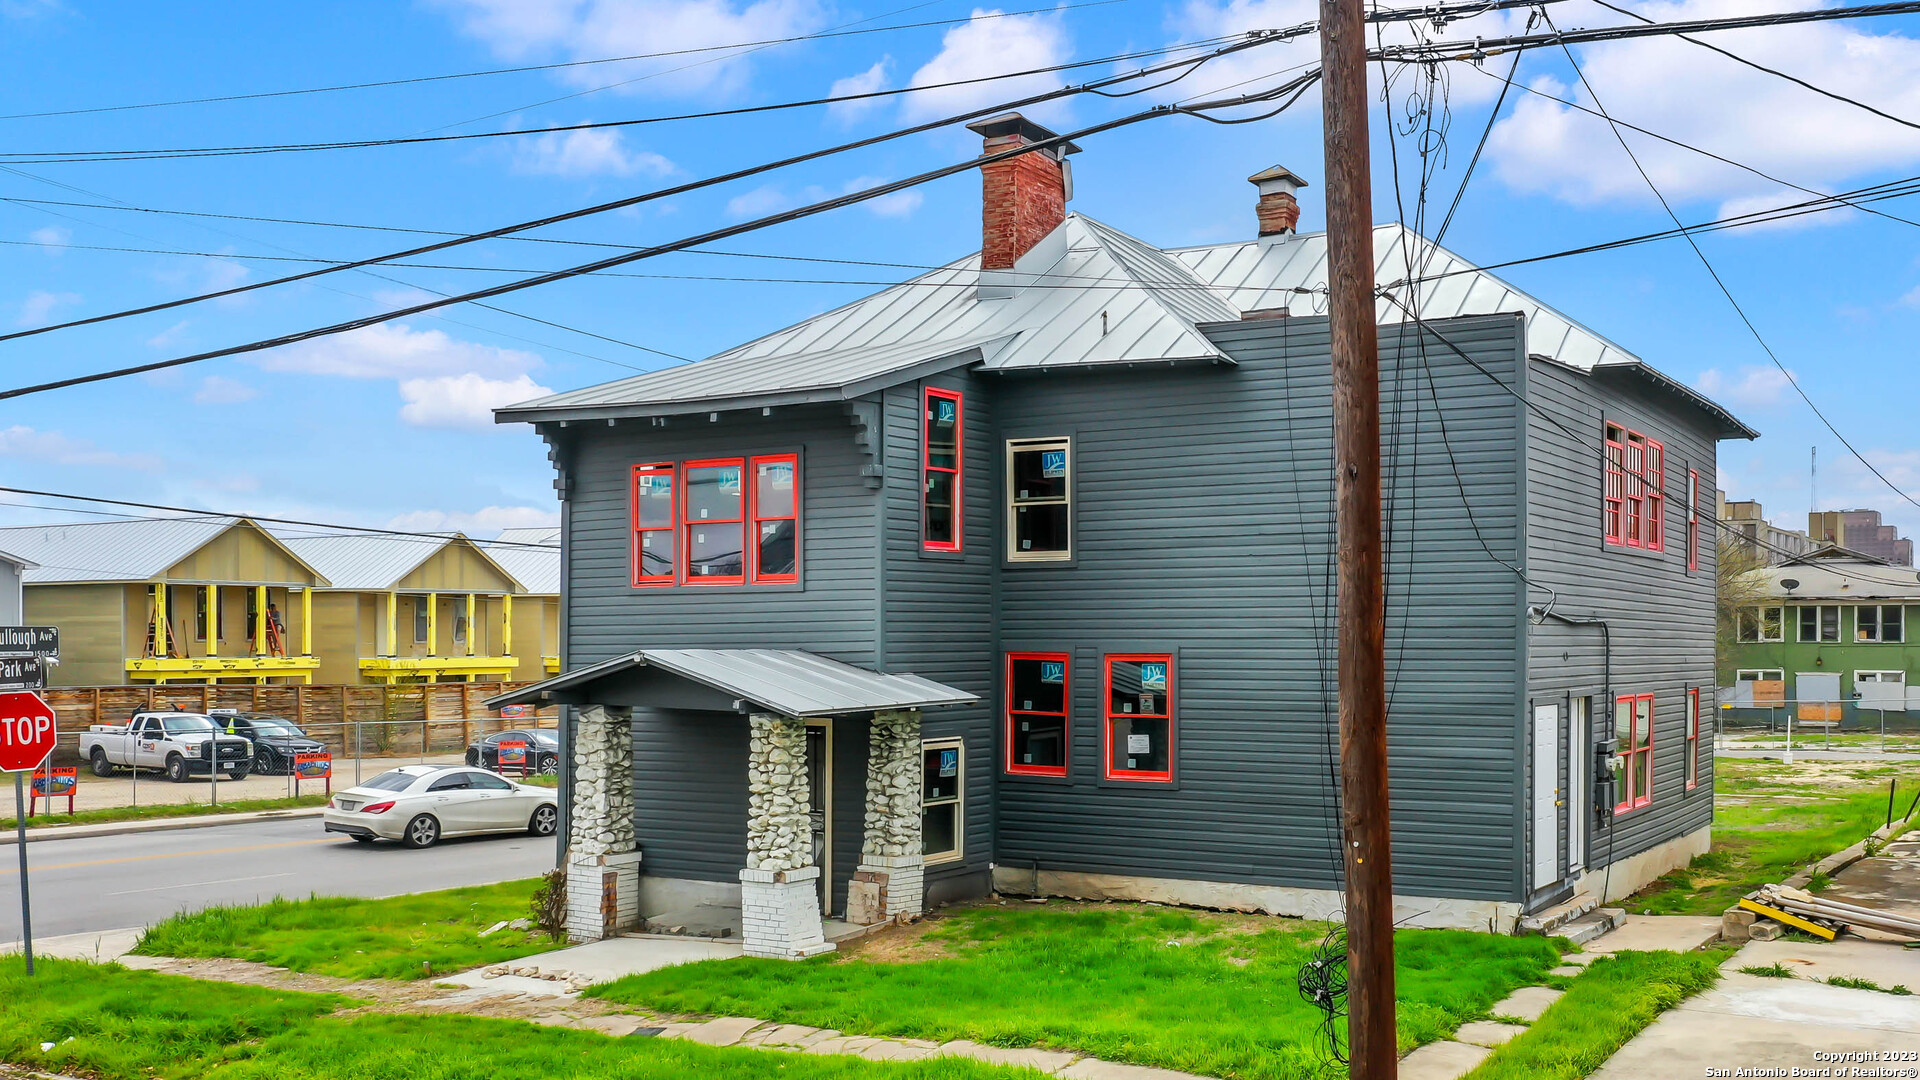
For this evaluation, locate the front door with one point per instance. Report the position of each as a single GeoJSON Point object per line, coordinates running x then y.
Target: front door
{"type": "Point", "coordinates": [1546, 795]}
{"type": "Point", "coordinates": [820, 797]}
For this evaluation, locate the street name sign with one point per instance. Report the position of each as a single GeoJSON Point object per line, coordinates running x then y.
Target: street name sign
{"type": "Point", "coordinates": [41, 641]}
{"type": "Point", "coordinates": [22, 673]}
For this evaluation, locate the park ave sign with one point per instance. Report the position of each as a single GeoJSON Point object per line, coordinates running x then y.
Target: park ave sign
{"type": "Point", "coordinates": [26, 731]}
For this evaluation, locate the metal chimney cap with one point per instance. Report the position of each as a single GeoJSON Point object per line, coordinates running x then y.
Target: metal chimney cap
{"type": "Point", "coordinates": [1015, 124]}
{"type": "Point", "coordinates": [1277, 180]}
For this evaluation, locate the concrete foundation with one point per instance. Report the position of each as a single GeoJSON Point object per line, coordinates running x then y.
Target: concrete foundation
{"type": "Point", "coordinates": [1495, 916]}
{"type": "Point", "coordinates": [1635, 872]}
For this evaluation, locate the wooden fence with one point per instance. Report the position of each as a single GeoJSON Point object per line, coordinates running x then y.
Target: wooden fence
{"type": "Point", "coordinates": [377, 719]}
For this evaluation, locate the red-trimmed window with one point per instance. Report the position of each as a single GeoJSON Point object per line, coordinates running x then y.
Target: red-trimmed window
{"type": "Point", "coordinates": [942, 494]}
{"type": "Point", "coordinates": [1038, 692]}
{"type": "Point", "coordinates": [1633, 727]}
{"type": "Point", "coordinates": [1137, 737]}
{"type": "Point", "coordinates": [714, 511]}
{"type": "Point", "coordinates": [776, 520]}
{"type": "Point", "coordinates": [653, 515]}
{"type": "Point", "coordinates": [1693, 520]}
{"type": "Point", "coordinates": [1634, 501]}
{"type": "Point", "coordinates": [1693, 738]}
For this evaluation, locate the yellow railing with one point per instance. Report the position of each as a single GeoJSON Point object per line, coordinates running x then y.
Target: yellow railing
{"type": "Point", "coordinates": [161, 669]}
{"type": "Point", "coordinates": [391, 669]}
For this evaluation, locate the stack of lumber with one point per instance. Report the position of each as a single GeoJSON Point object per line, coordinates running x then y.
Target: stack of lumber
{"type": "Point", "coordinates": [1824, 917]}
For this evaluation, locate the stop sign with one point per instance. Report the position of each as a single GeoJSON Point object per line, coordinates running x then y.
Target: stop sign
{"type": "Point", "coordinates": [26, 731]}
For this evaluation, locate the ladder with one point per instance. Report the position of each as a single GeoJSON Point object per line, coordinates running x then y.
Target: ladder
{"type": "Point", "coordinates": [276, 642]}
{"type": "Point", "coordinates": [160, 649]}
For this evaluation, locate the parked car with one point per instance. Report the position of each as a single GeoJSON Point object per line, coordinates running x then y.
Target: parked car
{"type": "Point", "coordinates": [543, 750]}
{"type": "Point", "coordinates": [275, 739]}
{"type": "Point", "coordinates": [420, 804]}
{"type": "Point", "coordinates": [180, 744]}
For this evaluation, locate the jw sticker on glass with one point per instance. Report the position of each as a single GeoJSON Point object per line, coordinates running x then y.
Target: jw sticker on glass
{"type": "Point", "coordinates": [729, 481]}
{"type": "Point", "coordinates": [1053, 671]}
{"type": "Point", "coordinates": [1053, 464]}
{"type": "Point", "coordinates": [1153, 676]}
{"type": "Point", "coordinates": [945, 410]}
{"type": "Point", "coordinates": [949, 762]}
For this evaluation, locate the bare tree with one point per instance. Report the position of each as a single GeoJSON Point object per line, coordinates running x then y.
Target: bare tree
{"type": "Point", "coordinates": [1736, 586]}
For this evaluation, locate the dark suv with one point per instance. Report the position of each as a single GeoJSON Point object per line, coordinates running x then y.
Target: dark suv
{"type": "Point", "coordinates": [275, 738]}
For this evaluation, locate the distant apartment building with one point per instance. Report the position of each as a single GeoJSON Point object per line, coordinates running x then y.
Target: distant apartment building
{"type": "Point", "coordinates": [1861, 531]}
{"type": "Point", "coordinates": [1746, 520]}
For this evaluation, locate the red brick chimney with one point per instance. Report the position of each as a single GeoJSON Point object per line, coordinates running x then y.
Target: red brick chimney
{"type": "Point", "coordinates": [1026, 196]}
{"type": "Point", "coordinates": [1277, 210]}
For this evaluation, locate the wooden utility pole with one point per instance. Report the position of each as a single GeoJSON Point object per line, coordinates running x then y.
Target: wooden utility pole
{"type": "Point", "coordinates": [1371, 1042]}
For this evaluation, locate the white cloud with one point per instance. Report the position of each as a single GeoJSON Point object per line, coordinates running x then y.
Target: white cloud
{"type": "Point", "coordinates": [988, 44]}
{"type": "Point", "coordinates": [869, 81]}
{"type": "Point", "coordinates": [53, 238]}
{"type": "Point", "coordinates": [1755, 387]}
{"type": "Point", "coordinates": [397, 351]}
{"type": "Point", "coordinates": [38, 308]}
{"type": "Point", "coordinates": [168, 338]}
{"type": "Point", "coordinates": [898, 204]}
{"type": "Point", "coordinates": [591, 152]}
{"type": "Point", "coordinates": [462, 401]}
{"type": "Point", "coordinates": [487, 519]}
{"type": "Point", "coordinates": [590, 29]}
{"type": "Point", "coordinates": [55, 448]}
{"type": "Point", "coordinates": [220, 390]}
{"type": "Point", "coordinates": [1690, 95]}
{"type": "Point", "coordinates": [1778, 197]}
{"type": "Point", "coordinates": [761, 201]}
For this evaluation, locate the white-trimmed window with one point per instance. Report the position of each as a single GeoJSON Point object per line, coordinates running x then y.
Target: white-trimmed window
{"type": "Point", "coordinates": [1879, 622]}
{"type": "Point", "coordinates": [943, 787]}
{"type": "Point", "coordinates": [1039, 500]}
{"type": "Point", "coordinates": [1762, 623]}
{"type": "Point", "coordinates": [1760, 675]}
{"type": "Point", "coordinates": [1819, 623]}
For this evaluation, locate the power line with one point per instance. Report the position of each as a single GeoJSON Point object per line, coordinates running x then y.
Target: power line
{"type": "Point", "coordinates": [1724, 291]}
{"type": "Point", "coordinates": [1294, 87]}
{"type": "Point", "coordinates": [380, 83]}
{"type": "Point", "coordinates": [1824, 92]}
{"type": "Point", "coordinates": [1481, 48]}
{"type": "Point", "coordinates": [1191, 63]}
{"type": "Point", "coordinates": [190, 512]}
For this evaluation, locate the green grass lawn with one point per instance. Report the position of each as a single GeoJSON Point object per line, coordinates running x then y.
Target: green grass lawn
{"type": "Point", "coordinates": [165, 810]}
{"type": "Point", "coordinates": [1183, 990]}
{"type": "Point", "coordinates": [403, 937]}
{"type": "Point", "coordinates": [1770, 821]}
{"type": "Point", "coordinates": [1614, 1000]}
{"type": "Point", "coordinates": [114, 1024]}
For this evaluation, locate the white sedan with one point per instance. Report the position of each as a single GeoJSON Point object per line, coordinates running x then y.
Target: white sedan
{"type": "Point", "coordinates": [419, 804]}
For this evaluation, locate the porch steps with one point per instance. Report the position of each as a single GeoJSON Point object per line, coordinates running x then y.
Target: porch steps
{"type": "Point", "coordinates": [1592, 925]}
{"type": "Point", "coordinates": [1549, 920]}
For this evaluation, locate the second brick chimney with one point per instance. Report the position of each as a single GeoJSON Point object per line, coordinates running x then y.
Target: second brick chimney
{"type": "Point", "coordinates": [1025, 197]}
{"type": "Point", "coordinates": [1278, 210]}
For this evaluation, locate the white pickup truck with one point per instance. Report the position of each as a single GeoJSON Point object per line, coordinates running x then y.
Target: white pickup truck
{"type": "Point", "coordinates": [180, 744]}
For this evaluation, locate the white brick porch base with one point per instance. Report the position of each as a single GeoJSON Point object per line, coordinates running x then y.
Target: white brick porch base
{"type": "Point", "coordinates": [780, 913]}
{"type": "Point", "coordinates": [603, 896]}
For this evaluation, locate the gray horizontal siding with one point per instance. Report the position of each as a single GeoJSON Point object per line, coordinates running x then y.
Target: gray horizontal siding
{"type": "Point", "coordinates": [940, 617]}
{"type": "Point", "coordinates": [1660, 615]}
{"type": "Point", "coordinates": [1203, 528]}
{"type": "Point", "coordinates": [690, 794]}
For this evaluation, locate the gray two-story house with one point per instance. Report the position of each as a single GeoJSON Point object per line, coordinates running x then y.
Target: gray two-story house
{"type": "Point", "coordinates": [1019, 576]}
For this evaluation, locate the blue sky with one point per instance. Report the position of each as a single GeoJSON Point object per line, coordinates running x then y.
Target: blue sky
{"type": "Point", "coordinates": [388, 427]}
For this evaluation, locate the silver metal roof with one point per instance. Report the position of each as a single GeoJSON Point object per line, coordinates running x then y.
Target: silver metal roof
{"type": "Point", "coordinates": [1086, 295]}
{"type": "Point", "coordinates": [376, 561]}
{"type": "Point", "coordinates": [96, 551]}
{"type": "Point", "coordinates": [536, 569]}
{"type": "Point", "coordinates": [1835, 574]}
{"type": "Point", "coordinates": [785, 681]}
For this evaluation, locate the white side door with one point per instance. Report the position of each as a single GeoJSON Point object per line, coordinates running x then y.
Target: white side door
{"type": "Point", "coordinates": [149, 743]}
{"type": "Point", "coordinates": [497, 802]}
{"type": "Point", "coordinates": [450, 798]}
{"type": "Point", "coordinates": [1546, 795]}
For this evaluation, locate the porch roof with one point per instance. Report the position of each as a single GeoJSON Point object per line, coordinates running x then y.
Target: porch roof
{"type": "Point", "coordinates": [785, 681]}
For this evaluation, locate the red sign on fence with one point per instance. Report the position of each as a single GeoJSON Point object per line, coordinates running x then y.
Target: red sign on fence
{"type": "Point", "coordinates": [312, 767]}
{"type": "Point", "coordinates": [513, 752]}
{"type": "Point", "coordinates": [51, 784]}
{"type": "Point", "coordinates": [26, 731]}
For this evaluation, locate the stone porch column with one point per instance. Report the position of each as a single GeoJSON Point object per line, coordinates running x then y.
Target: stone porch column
{"type": "Point", "coordinates": [890, 880]}
{"type": "Point", "coordinates": [603, 855]}
{"type": "Point", "coordinates": [780, 888]}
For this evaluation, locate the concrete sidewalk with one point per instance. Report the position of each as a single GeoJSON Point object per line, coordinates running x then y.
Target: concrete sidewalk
{"type": "Point", "coordinates": [35, 833]}
{"type": "Point", "coordinates": [1753, 1022]}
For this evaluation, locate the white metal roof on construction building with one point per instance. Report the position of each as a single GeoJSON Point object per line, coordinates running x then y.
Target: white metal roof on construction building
{"type": "Point", "coordinates": [377, 561]}
{"type": "Point", "coordinates": [789, 682]}
{"type": "Point", "coordinates": [139, 549]}
{"type": "Point", "coordinates": [1087, 295]}
{"type": "Point", "coordinates": [537, 569]}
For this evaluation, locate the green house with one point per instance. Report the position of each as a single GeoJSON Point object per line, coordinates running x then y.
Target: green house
{"type": "Point", "coordinates": [1834, 629]}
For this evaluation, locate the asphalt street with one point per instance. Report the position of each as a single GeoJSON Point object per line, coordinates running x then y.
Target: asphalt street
{"type": "Point", "coordinates": [111, 882]}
